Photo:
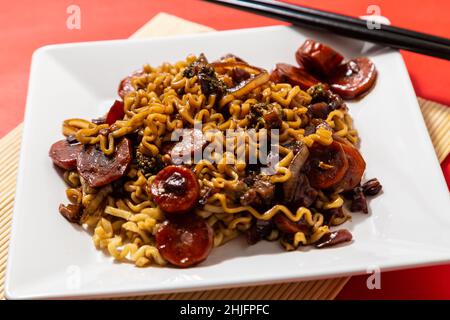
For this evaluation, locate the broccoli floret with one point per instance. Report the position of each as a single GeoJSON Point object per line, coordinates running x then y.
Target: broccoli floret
{"type": "Point", "coordinates": [318, 93]}
{"type": "Point", "coordinates": [209, 82]}
{"type": "Point", "coordinates": [207, 77]}
{"type": "Point", "coordinates": [194, 68]}
{"type": "Point", "coordinates": [148, 164]}
{"type": "Point", "coordinates": [265, 115]}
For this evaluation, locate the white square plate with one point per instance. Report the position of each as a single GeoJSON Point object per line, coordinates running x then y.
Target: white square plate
{"type": "Point", "coordinates": [409, 224]}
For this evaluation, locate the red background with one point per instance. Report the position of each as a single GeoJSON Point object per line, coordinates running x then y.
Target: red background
{"type": "Point", "coordinates": [29, 24]}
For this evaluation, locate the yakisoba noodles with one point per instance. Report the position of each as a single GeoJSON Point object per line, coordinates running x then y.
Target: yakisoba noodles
{"type": "Point", "coordinates": [149, 200]}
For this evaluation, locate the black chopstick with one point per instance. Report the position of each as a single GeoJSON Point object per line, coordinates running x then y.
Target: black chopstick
{"type": "Point", "coordinates": [351, 20]}
{"type": "Point", "coordinates": [345, 28]}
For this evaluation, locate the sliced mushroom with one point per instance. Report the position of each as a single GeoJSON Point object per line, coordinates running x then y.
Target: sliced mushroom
{"type": "Point", "coordinates": [296, 165]}
{"type": "Point", "coordinates": [72, 212]}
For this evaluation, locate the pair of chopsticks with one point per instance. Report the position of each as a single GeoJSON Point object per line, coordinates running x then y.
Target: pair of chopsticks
{"type": "Point", "coordinates": [385, 35]}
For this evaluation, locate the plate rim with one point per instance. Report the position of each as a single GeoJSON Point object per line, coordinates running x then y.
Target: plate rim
{"type": "Point", "coordinates": [252, 281]}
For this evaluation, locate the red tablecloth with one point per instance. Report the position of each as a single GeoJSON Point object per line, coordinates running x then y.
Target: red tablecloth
{"type": "Point", "coordinates": [29, 24]}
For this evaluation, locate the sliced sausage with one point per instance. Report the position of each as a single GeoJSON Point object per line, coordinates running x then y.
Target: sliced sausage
{"type": "Point", "coordinates": [319, 58]}
{"type": "Point", "coordinates": [356, 167]}
{"type": "Point", "coordinates": [98, 169]}
{"type": "Point", "coordinates": [354, 78]}
{"type": "Point", "coordinates": [65, 154]}
{"type": "Point", "coordinates": [184, 240]}
{"type": "Point", "coordinates": [295, 76]}
{"type": "Point", "coordinates": [116, 112]}
{"type": "Point", "coordinates": [192, 141]}
{"type": "Point", "coordinates": [175, 189]}
{"type": "Point", "coordinates": [327, 165]}
{"type": "Point", "coordinates": [334, 238]}
{"type": "Point", "coordinates": [126, 86]}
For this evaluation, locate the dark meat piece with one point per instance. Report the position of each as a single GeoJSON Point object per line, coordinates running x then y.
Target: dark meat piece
{"type": "Point", "coordinates": [310, 129]}
{"type": "Point", "coordinates": [319, 110]}
{"type": "Point", "coordinates": [235, 190]}
{"type": "Point", "coordinates": [359, 202]}
{"type": "Point", "coordinates": [316, 124]}
{"type": "Point", "coordinates": [319, 58]}
{"type": "Point", "coordinates": [65, 154]}
{"type": "Point", "coordinates": [323, 102]}
{"type": "Point", "coordinates": [328, 215]}
{"type": "Point", "coordinates": [149, 165]}
{"type": "Point", "coordinates": [334, 238]}
{"type": "Point", "coordinates": [72, 212]}
{"type": "Point", "coordinates": [372, 187]}
{"type": "Point", "coordinates": [321, 93]}
{"type": "Point", "coordinates": [273, 119]}
{"type": "Point", "coordinates": [354, 78]}
{"type": "Point", "coordinates": [259, 230]}
{"type": "Point", "coordinates": [304, 195]}
{"type": "Point", "coordinates": [265, 115]}
{"type": "Point", "coordinates": [184, 240]}
{"type": "Point", "coordinates": [97, 169]}
{"type": "Point", "coordinates": [260, 194]}
{"type": "Point", "coordinates": [285, 225]}
{"type": "Point", "coordinates": [175, 189]}
{"type": "Point", "coordinates": [295, 76]}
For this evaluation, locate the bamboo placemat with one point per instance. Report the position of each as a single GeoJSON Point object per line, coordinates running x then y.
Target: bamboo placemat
{"type": "Point", "coordinates": [437, 119]}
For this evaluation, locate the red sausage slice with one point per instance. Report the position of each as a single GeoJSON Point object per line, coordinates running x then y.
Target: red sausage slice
{"type": "Point", "coordinates": [64, 154]}
{"type": "Point", "coordinates": [354, 78]}
{"type": "Point", "coordinates": [184, 240]}
{"type": "Point", "coordinates": [356, 167]}
{"type": "Point", "coordinates": [126, 85]}
{"type": "Point", "coordinates": [319, 58]}
{"type": "Point", "coordinates": [192, 141]}
{"type": "Point", "coordinates": [175, 189]}
{"type": "Point", "coordinates": [327, 165]}
{"type": "Point", "coordinates": [116, 112]}
{"type": "Point", "coordinates": [295, 76]}
{"type": "Point", "coordinates": [97, 169]}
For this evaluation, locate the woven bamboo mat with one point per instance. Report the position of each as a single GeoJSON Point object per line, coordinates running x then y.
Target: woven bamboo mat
{"type": "Point", "coordinates": [437, 119]}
